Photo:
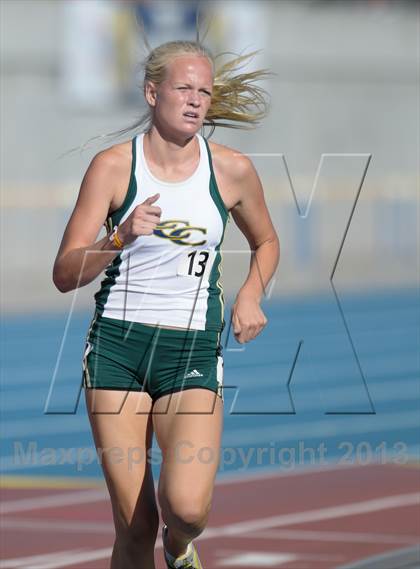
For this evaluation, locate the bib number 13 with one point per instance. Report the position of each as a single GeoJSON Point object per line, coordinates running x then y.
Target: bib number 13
{"type": "Point", "coordinates": [198, 260]}
{"type": "Point", "coordinates": [196, 263]}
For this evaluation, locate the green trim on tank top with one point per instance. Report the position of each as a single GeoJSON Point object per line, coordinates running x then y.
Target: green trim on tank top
{"type": "Point", "coordinates": [215, 303]}
{"type": "Point", "coordinates": [111, 274]}
{"type": "Point", "coordinates": [214, 190]}
{"type": "Point", "coordinates": [113, 270]}
{"type": "Point", "coordinates": [115, 217]}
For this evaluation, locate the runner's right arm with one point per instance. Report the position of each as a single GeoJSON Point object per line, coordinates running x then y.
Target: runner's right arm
{"type": "Point", "coordinates": [100, 183]}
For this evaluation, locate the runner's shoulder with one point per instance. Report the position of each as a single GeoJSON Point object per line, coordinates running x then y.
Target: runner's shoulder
{"type": "Point", "coordinates": [230, 162]}
{"type": "Point", "coordinates": [114, 160]}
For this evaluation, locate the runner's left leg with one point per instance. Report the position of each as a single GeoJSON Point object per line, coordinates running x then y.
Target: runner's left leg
{"type": "Point", "coordinates": [188, 428]}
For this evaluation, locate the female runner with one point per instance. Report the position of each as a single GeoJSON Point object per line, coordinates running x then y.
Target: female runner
{"type": "Point", "coordinates": [153, 360]}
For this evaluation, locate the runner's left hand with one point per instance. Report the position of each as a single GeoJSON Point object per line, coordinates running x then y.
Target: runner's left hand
{"type": "Point", "coordinates": [248, 319]}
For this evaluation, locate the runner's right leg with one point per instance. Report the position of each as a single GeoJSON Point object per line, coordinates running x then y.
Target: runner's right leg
{"type": "Point", "coordinates": [128, 429]}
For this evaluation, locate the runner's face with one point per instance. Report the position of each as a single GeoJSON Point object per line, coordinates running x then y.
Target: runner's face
{"type": "Point", "coordinates": [184, 97]}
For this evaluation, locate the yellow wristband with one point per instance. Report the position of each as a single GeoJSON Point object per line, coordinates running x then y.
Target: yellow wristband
{"type": "Point", "coordinates": [115, 239]}
{"type": "Point", "coordinates": [118, 241]}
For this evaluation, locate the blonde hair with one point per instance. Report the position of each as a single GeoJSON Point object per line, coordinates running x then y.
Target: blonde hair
{"type": "Point", "coordinates": [237, 101]}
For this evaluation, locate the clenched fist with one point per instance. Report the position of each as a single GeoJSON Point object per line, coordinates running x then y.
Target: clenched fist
{"type": "Point", "coordinates": [141, 221]}
{"type": "Point", "coordinates": [248, 319]}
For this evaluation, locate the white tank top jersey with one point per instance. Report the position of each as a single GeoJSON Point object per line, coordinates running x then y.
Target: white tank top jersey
{"type": "Point", "coordinates": [171, 277]}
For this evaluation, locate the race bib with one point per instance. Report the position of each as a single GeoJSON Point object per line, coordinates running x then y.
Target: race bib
{"type": "Point", "coordinates": [196, 263]}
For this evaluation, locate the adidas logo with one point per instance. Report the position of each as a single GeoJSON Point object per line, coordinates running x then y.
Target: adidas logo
{"type": "Point", "coordinates": [194, 373]}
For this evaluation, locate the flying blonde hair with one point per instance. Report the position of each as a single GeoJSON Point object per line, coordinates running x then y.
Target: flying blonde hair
{"type": "Point", "coordinates": [237, 100]}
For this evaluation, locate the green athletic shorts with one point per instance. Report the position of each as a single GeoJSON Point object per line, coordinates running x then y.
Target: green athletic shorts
{"type": "Point", "coordinates": [131, 356]}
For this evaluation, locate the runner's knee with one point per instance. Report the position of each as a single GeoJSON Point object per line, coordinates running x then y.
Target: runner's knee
{"type": "Point", "coordinates": [188, 513]}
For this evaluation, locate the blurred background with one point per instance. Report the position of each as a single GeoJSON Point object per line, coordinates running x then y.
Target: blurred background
{"type": "Point", "coordinates": [337, 366]}
{"type": "Point", "coordinates": [345, 88]}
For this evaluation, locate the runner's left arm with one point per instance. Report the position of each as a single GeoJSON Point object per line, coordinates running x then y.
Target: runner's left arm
{"type": "Point", "coordinates": [252, 217]}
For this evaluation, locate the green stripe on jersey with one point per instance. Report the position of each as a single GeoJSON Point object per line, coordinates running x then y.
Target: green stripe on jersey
{"type": "Point", "coordinates": [113, 270]}
{"type": "Point", "coordinates": [117, 215]}
{"type": "Point", "coordinates": [215, 303]}
{"type": "Point", "coordinates": [111, 273]}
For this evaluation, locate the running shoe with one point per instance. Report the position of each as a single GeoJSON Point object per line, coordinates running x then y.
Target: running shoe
{"type": "Point", "coordinates": [189, 560]}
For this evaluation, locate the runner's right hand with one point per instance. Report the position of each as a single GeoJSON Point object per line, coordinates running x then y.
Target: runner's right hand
{"type": "Point", "coordinates": [141, 221]}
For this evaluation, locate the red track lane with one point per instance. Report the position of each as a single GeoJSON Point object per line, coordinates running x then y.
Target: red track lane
{"type": "Point", "coordinates": [356, 512]}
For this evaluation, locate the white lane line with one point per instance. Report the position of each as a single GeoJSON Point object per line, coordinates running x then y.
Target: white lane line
{"type": "Point", "coordinates": [258, 559]}
{"type": "Point", "coordinates": [353, 509]}
{"type": "Point", "coordinates": [54, 501]}
{"type": "Point", "coordinates": [86, 496]}
{"type": "Point", "coordinates": [236, 529]}
{"type": "Point", "coordinates": [32, 561]}
{"type": "Point", "coordinates": [328, 536]}
{"type": "Point", "coordinates": [56, 560]}
{"type": "Point", "coordinates": [407, 557]}
{"type": "Point", "coordinates": [97, 495]}
{"type": "Point", "coordinates": [270, 559]}
{"type": "Point", "coordinates": [259, 474]}
{"type": "Point", "coordinates": [36, 525]}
